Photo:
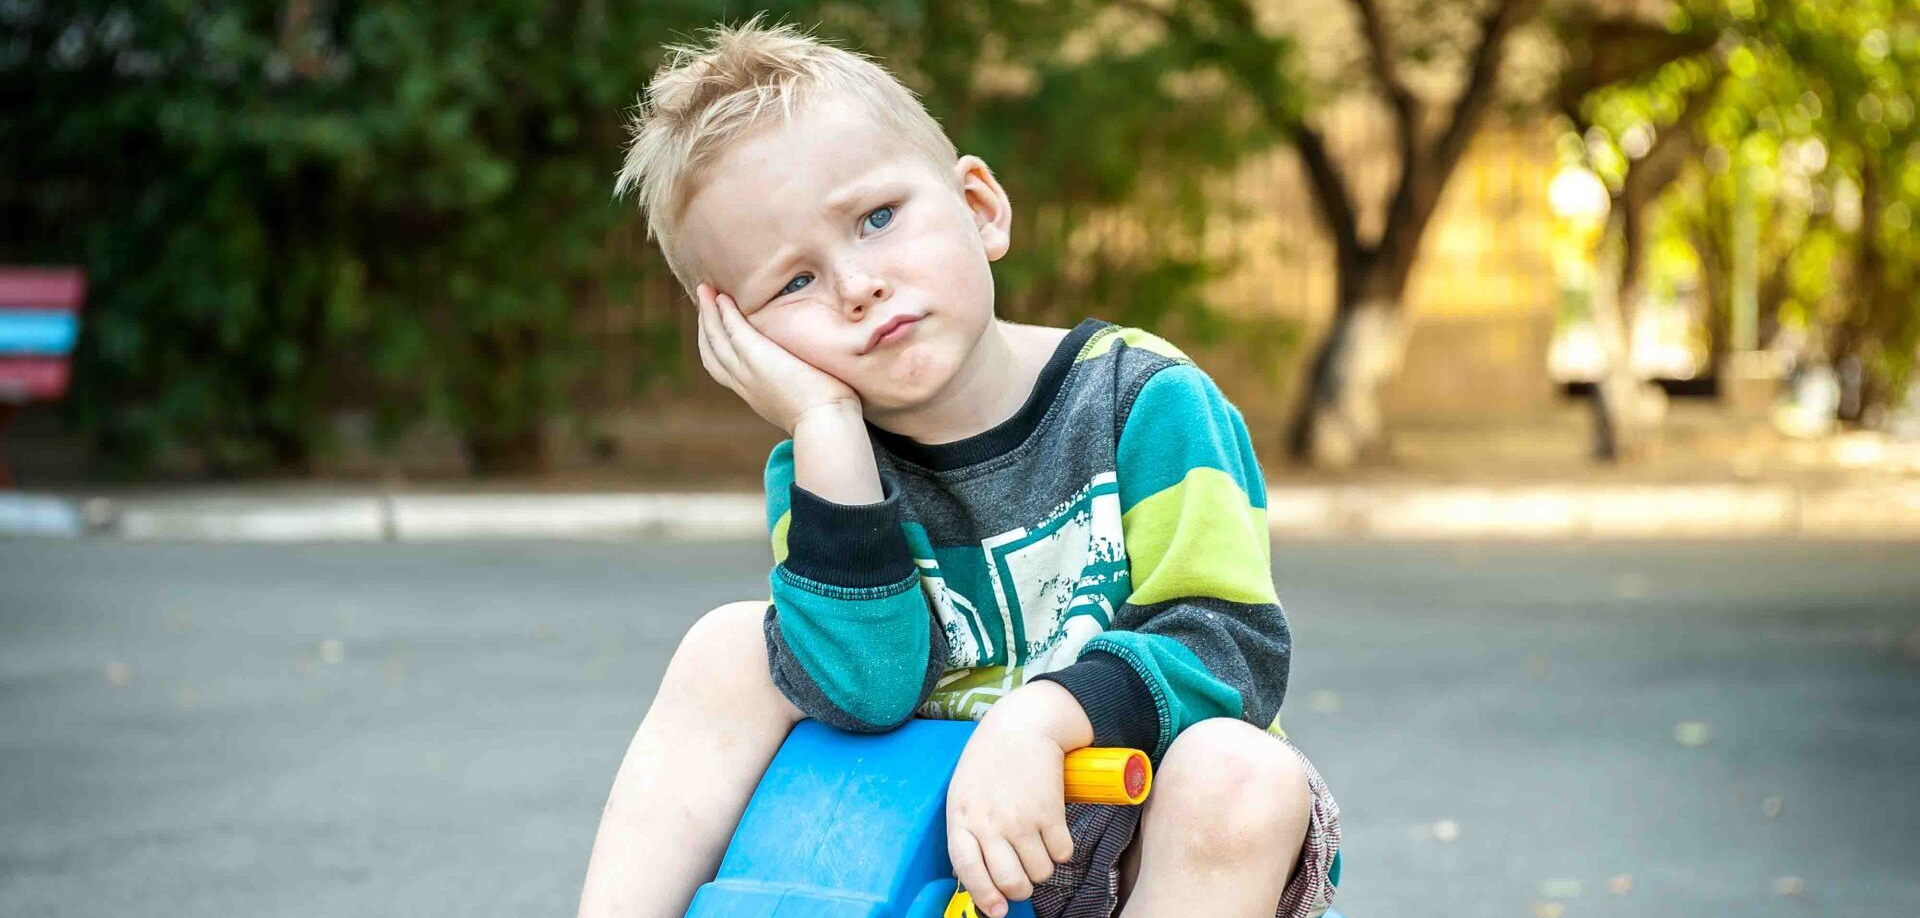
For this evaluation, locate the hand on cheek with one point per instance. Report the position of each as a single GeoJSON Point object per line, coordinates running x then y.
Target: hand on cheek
{"type": "Point", "coordinates": [773, 382]}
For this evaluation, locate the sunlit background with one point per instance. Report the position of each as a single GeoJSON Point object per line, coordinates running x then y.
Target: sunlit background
{"type": "Point", "coordinates": [1576, 337]}
{"type": "Point", "coordinates": [377, 241]}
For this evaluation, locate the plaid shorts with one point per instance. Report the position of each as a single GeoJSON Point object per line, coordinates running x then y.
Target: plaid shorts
{"type": "Point", "coordinates": [1089, 886]}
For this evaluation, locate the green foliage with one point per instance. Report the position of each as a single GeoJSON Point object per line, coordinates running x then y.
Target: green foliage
{"type": "Point", "coordinates": [287, 207]}
{"type": "Point", "coordinates": [1082, 121]}
{"type": "Point", "coordinates": [1828, 107]}
{"type": "Point", "coordinates": [290, 207]}
{"type": "Point", "coordinates": [1816, 122]}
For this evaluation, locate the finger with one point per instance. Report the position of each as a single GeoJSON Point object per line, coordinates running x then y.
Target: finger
{"type": "Point", "coordinates": [1058, 840]}
{"type": "Point", "coordinates": [712, 364]}
{"type": "Point", "coordinates": [971, 870]}
{"type": "Point", "coordinates": [713, 330]}
{"type": "Point", "coordinates": [703, 335]}
{"type": "Point", "coordinates": [1008, 875]}
{"type": "Point", "coordinates": [730, 316]}
{"type": "Point", "coordinates": [740, 336]}
{"type": "Point", "coordinates": [1033, 857]}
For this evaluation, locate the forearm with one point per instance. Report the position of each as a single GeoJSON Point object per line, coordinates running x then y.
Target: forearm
{"type": "Point", "coordinates": [851, 639]}
{"type": "Point", "coordinates": [1046, 708]}
{"type": "Point", "coordinates": [833, 456]}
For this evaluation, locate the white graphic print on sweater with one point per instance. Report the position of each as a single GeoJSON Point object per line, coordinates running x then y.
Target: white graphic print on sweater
{"type": "Point", "coordinates": [1044, 590]}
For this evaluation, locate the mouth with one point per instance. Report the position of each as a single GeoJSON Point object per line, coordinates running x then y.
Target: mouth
{"type": "Point", "coordinates": [891, 331]}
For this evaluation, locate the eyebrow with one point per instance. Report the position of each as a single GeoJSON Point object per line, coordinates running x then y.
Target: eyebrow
{"type": "Point", "coordinates": [837, 204]}
{"type": "Point", "coordinates": [846, 199]}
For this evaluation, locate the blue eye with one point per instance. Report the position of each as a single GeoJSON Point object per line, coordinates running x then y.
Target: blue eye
{"type": "Point", "coordinates": [884, 214]}
{"type": "Point", "coordinates": [789, 288]}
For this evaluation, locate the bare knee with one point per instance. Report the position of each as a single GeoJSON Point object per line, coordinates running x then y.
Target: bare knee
{"type": "Point", "coordinates": [1231, 794]}
{"type": "Point", "coordinates": [721, 663]}
{"type": "Point", "coordinates": [722, 634]}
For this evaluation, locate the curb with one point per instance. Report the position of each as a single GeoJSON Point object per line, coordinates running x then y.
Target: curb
{"type": "Point", "coordinates": [1888, 510]}
{"type": "Point", "coordinates": [433, 518]}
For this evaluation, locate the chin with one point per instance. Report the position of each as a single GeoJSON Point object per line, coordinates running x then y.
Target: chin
{"type": "Point", "coordinates": [916, 376]}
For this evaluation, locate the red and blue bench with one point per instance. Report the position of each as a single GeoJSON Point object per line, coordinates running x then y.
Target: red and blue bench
{"type": "Point", "coordinates": [39, 323]}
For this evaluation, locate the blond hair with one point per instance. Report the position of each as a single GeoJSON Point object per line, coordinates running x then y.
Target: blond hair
{"type": "Point", "coordinates": [707, 97]}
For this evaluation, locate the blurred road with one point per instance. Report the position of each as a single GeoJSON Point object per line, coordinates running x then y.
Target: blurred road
{"type": "Point", "coordinates": [1646, 729]}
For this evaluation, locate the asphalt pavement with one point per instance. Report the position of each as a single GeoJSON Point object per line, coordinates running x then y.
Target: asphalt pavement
{"type": "Point", "coordinates": [1538, 729]}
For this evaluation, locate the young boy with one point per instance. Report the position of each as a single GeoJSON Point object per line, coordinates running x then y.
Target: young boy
{"type": "Point", "coordinates": [1060, 533]}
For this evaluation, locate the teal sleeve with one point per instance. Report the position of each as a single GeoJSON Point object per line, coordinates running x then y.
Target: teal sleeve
{"type": "Point", "coordinates": [851, 639]}
{"type": "Point", "coordinates": [1202, 632]}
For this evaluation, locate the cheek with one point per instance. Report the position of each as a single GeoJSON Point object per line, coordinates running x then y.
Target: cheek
{"type": "Point", "coordinates": [963, 267]}
{"type": "Point", "coordinates": [778, 327]}
{"type": "Point", "coordinates": [797, 333]}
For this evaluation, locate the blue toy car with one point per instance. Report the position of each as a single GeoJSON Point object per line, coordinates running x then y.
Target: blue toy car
{"type": "Point", "coordinates": [854, 826]}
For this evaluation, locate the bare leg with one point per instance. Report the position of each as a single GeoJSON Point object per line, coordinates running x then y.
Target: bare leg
{"type": "Point", "coordinates": [1223, 829]}
{"type": "Point", "coordinates": [713, 727]}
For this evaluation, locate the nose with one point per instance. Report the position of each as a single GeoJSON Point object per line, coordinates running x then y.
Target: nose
{"type": "Point", "coordinates": [860, 290]}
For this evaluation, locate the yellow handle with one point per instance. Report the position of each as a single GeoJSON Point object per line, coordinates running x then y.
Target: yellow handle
{"type": "Point", "coordinates": [961, 906]}
{"type": "Point", "coordinates": [1108, 775]}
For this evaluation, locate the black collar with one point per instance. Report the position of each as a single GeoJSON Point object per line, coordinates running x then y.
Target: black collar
{"type": "Point", "coordinates": [1010, 433]}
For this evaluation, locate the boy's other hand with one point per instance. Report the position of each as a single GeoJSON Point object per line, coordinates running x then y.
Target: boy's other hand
{"type": "Point", "coordinates": [1006, 813]}
{"type": "Point", "coordinates": [773, 382]}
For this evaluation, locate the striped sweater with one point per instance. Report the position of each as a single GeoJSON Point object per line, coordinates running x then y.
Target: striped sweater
{"type": "Point", "coordinates": [1111, 537]}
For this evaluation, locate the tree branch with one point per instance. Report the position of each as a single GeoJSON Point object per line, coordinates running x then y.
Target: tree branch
{"type": "Point", "coordinates": [1406, 108]}
{"type": "Point", "coordinates": [1618, 49]}
{"type": "Point", "coordinates": [1482, 79]}
{"type": "Point", "coordinates": [1324, 180]}
{"type": "Point", "coordinates": [1329, 194]}
{"type": "Point", "coordinates": [1673, 147]}
{"type": "Point", "coordinates": [1424, 174]}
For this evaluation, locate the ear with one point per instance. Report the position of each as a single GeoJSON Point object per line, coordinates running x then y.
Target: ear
{"type": "Point", "coordinates": [992, 212]}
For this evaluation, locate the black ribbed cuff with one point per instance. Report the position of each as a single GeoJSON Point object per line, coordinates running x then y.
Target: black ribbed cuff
{"type": "Point", "coordinates": [847, 546]}
{"type": "Point", "coordinates": [1115, 698]}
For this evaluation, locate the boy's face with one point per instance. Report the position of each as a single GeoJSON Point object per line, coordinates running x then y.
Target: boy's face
{"type": "Point", "coordinates": [828, 228]}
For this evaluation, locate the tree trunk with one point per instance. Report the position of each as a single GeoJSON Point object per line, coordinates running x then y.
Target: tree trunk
{"type": "Point", "coordinates": [1624, 408]}
{"type": "Point", "coordinates": [1338, 423]}
{"type": "Point", "coordinates": [1859, 333]}
{"type": "Point", "coordinates": [1714, 287]}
